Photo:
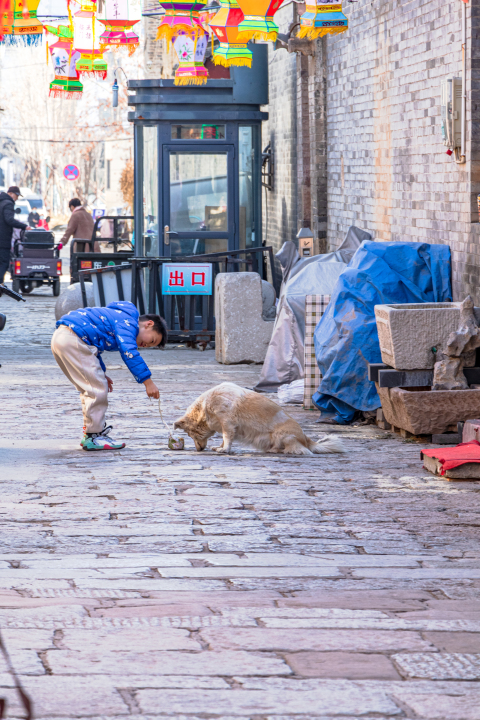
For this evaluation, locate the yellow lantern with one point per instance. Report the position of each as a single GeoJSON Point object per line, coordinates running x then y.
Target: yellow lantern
{"type": "Point", "coordinates": [179, 15]}
{"type": "Point", "coordinates": [225, 26]}
{"type": "Point", "coordinates": [19, 24]}
{"type": "Point", "coordinates": [258, 21]}
{"type": "Point", "coordinates": [323, 18]}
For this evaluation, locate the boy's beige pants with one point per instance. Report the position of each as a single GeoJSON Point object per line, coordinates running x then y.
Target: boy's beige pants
{"type": "Point", "coordinates": [80, 364]}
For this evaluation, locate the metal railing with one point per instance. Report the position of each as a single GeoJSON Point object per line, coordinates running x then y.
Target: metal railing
{"type": "Point", "coordinates": [188, 317]}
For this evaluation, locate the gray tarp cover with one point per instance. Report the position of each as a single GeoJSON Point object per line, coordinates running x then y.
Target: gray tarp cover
{"type": "Point", "coordinates": [316, 275]}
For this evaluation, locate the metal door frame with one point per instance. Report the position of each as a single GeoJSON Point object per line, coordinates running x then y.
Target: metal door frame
{"type": "Point", "coordinates": [198, 147]}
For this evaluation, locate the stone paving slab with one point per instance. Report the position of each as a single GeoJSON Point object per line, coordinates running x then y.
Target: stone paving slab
{"type": "Point", "coordinates": [151, 584]}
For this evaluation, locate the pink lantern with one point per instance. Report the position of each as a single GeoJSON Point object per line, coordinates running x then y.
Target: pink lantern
{"type": "Point", "coordinates": [118, 26]}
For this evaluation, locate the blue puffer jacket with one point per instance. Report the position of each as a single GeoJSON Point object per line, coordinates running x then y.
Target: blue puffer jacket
{"type": "Point", "coordinates": [112, 328]}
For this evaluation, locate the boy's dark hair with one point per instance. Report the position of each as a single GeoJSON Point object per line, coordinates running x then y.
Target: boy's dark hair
{"type": "Point", "coordinates": [74, 202]}
{"type": "Point", "coordinates": [159, 325]}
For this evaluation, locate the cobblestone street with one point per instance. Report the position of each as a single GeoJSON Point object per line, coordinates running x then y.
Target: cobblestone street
{"type": "Point", "coordinates": [147, 583]}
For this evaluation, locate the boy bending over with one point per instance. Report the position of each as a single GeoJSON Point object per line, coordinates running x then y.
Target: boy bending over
{"type": "Point", "coordinates": [77, 343]}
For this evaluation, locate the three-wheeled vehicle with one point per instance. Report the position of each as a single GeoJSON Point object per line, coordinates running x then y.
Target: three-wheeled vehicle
{"type": "Point", "coordinates": [114, 235]}
{"type": "Point", "coordinates": [35, 262]}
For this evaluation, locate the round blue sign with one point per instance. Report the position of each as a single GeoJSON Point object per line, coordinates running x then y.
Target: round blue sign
{"type": "Point", "coordinates": [71, 172]}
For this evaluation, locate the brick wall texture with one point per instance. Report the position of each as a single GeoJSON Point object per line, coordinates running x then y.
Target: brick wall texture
{"type": "Point", "coordinates": [387, 167]}
{"type": "Point", "coordinates": [365, 131]}
{"type": "Point", "coordinates": [280, 204]}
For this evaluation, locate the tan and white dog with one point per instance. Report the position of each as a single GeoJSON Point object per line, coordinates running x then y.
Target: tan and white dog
{"type": "Point", "coordinates": [252, 418]}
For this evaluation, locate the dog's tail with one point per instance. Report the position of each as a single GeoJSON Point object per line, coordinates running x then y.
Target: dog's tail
{"type": "Point", "coordinates": [328, 444]}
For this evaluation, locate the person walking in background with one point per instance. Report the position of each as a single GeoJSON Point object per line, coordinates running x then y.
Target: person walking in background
{"type": "Point", "coordinates": [7, 223]}
{"type": "Point", "coordinates": [33, 218]}
{"type": "Point", "coordinates": [80, 224]}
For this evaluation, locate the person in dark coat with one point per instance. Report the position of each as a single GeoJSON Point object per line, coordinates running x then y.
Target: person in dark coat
{"type": "Point", "coordinates": [33, 218]}
{"type": "Point", "coordinates": [7, 223]}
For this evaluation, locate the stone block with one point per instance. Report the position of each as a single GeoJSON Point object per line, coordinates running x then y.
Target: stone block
{"type": "Point", "coordinates": [446, 439]}
{"type": "Point", "coordinates": [471, 430]}
{"type": "Point", "coordinates": [467, 471]}
{"type": "Point", "coordinates": [439, 666]}
{"type": "Point", "coordinates": [71, 299]}
{"type": "Point", "coordinates": [455, 642]}
{"type": "Point", "coordinates": [407, 333]}
{"type": "Point", "coordinates": [241, 335]}
{"type": "Point", "coordinates": [426, 412]}
{"type": "Point", "coordinates": [352, 666]}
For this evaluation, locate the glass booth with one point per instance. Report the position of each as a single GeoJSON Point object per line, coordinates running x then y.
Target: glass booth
{"type": "Point", "coordinates": [198, 163]}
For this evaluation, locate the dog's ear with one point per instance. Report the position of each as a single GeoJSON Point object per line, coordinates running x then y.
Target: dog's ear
{"type": "Point", "coordinates": [179, 424]}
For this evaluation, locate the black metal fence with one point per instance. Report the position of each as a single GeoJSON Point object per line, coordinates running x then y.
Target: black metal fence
{"type": "Point", "coordinates": [117, 247]}
{"type": "Point", "coordinates": [188, 317]}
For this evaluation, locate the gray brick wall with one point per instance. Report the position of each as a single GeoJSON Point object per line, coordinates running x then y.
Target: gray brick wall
{"type": "Point", "coordinates": [160, 58]}
{"type": "Point", "coordinates": [280, 204]}
{"type": "Point", "coordinates": [387, 168]}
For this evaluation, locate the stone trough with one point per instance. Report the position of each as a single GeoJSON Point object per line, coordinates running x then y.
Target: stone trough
{"type": "Point", "coordinates": [407, 333]}
{"type": "Point", "coordinates": [424, 412]}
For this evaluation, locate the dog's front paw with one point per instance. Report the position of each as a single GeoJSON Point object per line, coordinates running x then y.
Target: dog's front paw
{"type": "Point", "coordinates": [223, 450]}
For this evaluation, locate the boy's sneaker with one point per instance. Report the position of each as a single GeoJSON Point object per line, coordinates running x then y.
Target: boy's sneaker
{"type": "Point", "coordinates": [100, 441]}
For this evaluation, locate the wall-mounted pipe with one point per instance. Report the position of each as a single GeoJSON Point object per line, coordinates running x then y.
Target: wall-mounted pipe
{"type": "Point", "coordinates": [462, 158]}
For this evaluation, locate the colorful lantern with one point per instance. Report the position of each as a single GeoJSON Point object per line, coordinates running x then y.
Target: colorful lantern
{"type": "Point", "coordinates": [179, 15]}
{"type": "Point", "coordinates": [19, 24]}
{"type": "Point", "coordinates": [205, 14]}
{"type": "Point", "coordinates": [190, 47]}
{"type": "Point", "coordinates": [225, 26]}
{"type": "Point", "coordinates": [118, 27]}
{"type": "Point", "coordinates": [86, 34]}
{"type": "Point", "coordinates": [323, 18]}
{"type": "Point", "coordinates": [6, 18]}
{"type": "Point", "coordinates": [258, 21]}
{"type": "Point", "coordinates": [64, 56]}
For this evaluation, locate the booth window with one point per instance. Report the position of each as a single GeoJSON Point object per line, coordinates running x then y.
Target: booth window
{"type": "Point", "coordinates": [246, 153]}
{"type": "Point", "coordinates": [150, 191]}
{"type": "Point", "coordinates": [197, 131]}
{"type": "Point", "coordinates": [198, 200]}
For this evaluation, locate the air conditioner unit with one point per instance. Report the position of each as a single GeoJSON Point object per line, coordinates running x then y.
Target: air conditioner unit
{"type": "Point", "coordinates": [452, 112]}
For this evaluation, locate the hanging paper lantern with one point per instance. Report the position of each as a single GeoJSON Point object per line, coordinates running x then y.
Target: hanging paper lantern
{"type": "Point", "coordinates": [225, 26]}
{"type": "Point", "coordinates": [6, 18]}
{"type": "Point", "coordinates": [181, 25]}
{"type": "Point", "coordinates": [190, 47]}
{"type": "Point", "coordinates": [207, 13]}
{"type": "Point", "coordinates": [64, 56]}
{"type": "Point", "coordinates": [118, 26]}
{"type": "Point", "coordinates": [19, 24]}
{"type": "Point", "coordinates": [323, 18]}
{"type": "Point", "coordinates": [179, 15]}
{"type": "Point", "coordinates": [86, 35]}
{"type": "Point", "coordinates": [258, 21]}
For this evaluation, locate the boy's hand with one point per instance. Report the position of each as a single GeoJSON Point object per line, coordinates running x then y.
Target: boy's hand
{"type": "Point", "coordinates": [110, 383]}
{"type": "Point", "coordinates": [151, 389]}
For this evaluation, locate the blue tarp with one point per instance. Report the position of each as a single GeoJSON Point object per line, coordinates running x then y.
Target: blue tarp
{"type": "Point", "coordinates": [346, 338]}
